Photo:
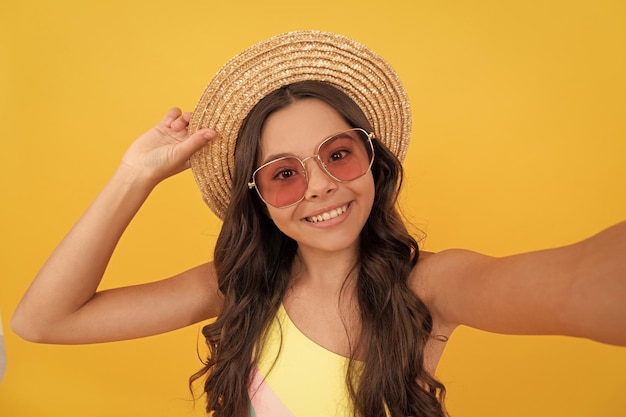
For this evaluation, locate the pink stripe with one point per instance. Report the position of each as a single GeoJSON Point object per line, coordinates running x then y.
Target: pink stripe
{"type": "Point", "coordinates": [264, 401]}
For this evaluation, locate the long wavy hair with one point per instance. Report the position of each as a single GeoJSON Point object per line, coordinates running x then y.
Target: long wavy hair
{"type": "Point", "coordinates": [254, 259]}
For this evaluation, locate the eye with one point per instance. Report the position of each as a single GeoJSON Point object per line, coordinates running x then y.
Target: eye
{"type": "Point", "coordinates": [284, 174]}
{"type": "Point", "coordinates": [337, 151]}
{"type": "Point", "coordinates": [338, 154]}
{"type": "Point", "coordinates": [338, 148]}
{"type": "Point", "coordinates": [283, 169]}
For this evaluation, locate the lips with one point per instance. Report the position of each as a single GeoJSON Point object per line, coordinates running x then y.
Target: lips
{"type": "Point", "coordinates": [322, 217]}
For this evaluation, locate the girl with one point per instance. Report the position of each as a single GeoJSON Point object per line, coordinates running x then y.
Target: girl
{"type": "Point", "coordinates": [297, 145]}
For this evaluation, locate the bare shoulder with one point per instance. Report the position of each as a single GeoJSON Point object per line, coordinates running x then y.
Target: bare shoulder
{"type": "Point", "coordinates": [435, 269]}
{"type": "Point", "coordinates": [432, 275]}
{"type": "Point", "coordinates": [438, 274]}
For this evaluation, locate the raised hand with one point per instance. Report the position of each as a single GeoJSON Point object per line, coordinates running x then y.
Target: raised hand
{"type": "Point", "coordinates": [165, 149]}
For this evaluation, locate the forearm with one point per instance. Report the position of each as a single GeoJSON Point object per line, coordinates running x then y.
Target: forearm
{"type": "Point", "coordinates": [576, 290]}
{"type": "Point", "coordinates": [70, 277]}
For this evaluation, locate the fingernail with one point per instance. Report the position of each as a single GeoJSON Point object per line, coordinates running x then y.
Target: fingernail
{"type": "Point", "coordinates": [209, 134]}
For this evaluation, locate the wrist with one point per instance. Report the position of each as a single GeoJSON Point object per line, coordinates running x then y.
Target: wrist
{"type": "Point", "coordinates": [127, 176]}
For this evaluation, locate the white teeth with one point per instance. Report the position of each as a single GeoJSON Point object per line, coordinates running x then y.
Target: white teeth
{"type": "Point", "coordinates": [328, 215]}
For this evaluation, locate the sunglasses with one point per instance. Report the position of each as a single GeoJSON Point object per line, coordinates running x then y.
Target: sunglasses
{"type": "Point", "coordinates": [345, 156]}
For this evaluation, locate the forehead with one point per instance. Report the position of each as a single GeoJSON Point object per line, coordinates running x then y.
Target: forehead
{"type": "Point", "coordinates": [300, 127]}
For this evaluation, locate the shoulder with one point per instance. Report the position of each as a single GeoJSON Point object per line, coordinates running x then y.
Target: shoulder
{"type": "Point", "coordinates": [435, 269]}
{"type": "Point", "coordinates": [440, 277]}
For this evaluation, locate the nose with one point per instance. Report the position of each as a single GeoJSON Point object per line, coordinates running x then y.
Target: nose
{"type": "Point", "coordinates": [320, 184]}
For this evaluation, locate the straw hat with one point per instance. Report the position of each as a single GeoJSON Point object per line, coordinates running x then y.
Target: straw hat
{"type": "Point", "coordinates": [284, 59]}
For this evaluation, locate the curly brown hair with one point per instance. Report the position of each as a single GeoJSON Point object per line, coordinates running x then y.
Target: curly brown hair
{"type": "Point", "coordinates": [253, 260]}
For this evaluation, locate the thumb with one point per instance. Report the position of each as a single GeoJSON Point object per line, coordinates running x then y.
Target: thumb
{"type": "Point", "coordinates": [196, 141]}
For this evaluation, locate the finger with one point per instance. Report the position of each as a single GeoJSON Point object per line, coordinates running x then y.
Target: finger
{"type": "Point", "coordinates": [181, 122]}
{"type": "Point", "coordinates": [171, 116]}
{"type": "Point", "coordinates": [194, 142]}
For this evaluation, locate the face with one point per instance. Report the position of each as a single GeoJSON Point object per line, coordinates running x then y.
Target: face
{"type": "Point", "coordinates": [332, 213]}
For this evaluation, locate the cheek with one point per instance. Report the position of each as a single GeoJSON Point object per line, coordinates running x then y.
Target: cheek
{"type": "Point", "coordinates": [280, 217]}
{"type": "Point", "coordinates": [371, 191]}
{"type": "Point", "coordinates": [367, 187]}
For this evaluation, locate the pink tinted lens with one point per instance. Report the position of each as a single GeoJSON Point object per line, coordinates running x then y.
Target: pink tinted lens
{"type": "Point", "coordinates": [282, 182]}
{"type": "Point", "coordinates": [346, 156]}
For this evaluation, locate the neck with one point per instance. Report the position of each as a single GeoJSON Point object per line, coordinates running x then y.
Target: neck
{"type": "Point", "coordinates": [324, 270]}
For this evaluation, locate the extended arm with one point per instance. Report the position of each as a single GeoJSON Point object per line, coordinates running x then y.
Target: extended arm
{"type": "Point", "coordinates": [62, 305]}
{"type": "Point", "coordinates": [576, 290]}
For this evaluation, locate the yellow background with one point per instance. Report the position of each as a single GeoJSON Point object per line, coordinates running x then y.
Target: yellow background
{"type": "Point", "coordinates": [519, 143]}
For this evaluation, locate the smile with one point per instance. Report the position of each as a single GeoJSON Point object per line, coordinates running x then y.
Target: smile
{"type": "Point", "coordinates": [328, 215]}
